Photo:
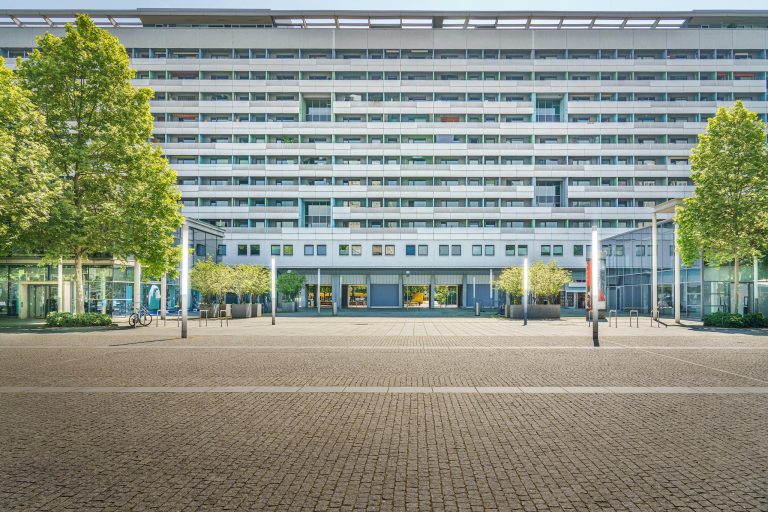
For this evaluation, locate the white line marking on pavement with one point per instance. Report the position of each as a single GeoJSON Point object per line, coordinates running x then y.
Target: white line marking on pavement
{"type": "Point", "coordinates": [538, 390]}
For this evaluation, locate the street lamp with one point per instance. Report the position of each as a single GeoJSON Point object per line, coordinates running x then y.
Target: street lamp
{"type": "Point", "coordinates": [595, 284]}
{"type": "Point", "coordinates": [273, 297]}
{"type": "Point", "coordinates": [525, 291]}
{"type": "Point", "coordinates": [184, 278]}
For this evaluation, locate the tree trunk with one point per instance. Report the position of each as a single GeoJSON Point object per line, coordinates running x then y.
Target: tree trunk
{"type": "Point", "coordinates": [79, 291]}
{"type": "Point", "coordinates": [735, 294]}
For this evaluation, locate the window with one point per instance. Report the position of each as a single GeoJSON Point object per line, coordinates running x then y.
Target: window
{"type": "Point", "coordinates": [557, 250]}
{"type": "Point", "coordinates": [221, 250]}
{"type": "Point", "coordinates": [357, 250]}
{"type": "Point", "coordinates": [620, 250]}
{"type": "Point", "coordinates": [546, 250]}
{"type": "Point", "coordinates": [490, 250]}
{"type": "Point", "coordinates": [640, 250]}
{"type": "Point", "coordinates": [410, 250]}
{"type": "Point", "coordinates": [477, 250]}
{"type": "Point", "coordinates": [343, 250]}
{"type": "Point", "coordinates": [522, 250]}
{"type": "Point", "coordinates": [509, 250]}
{"type": "Point", "coordinates": [255, 249]}
{"type": "Point", "coordinates": [389, 250]}
{"type": "Point", "coordinates": [275, 250]}
{"type": "Point", "coordinates": [309, 250]}
{"type": "Point", "coordinates": [455, 250]}
{"type": "Point", "coordinates": [242, 250]}
{"type": "Point", "coordinates": [376, 250]}
{"type": "Point", "coordinates": [322, 250]}
{"type": "Point", "coordinates": [443, 250]}
{"type": "Point", "coordinates": [578, 250]}
{"type": "Point", "coordinates": [287, 250]}
{"type": "Point", "coordinates": [200, 250]}
{"type": "Point", "coordinates": [423, 250]}
{"type": "Point", "coordinates": [607, 250]}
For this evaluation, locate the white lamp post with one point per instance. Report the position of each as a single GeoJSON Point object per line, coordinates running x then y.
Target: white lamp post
{"type": "Point", "coordinates": [274, 294]}
{"type": "Point", "coordinates": [595, 286]}
{"type": "Point", "coordinates": [184, 278]}
{"type": "Point", "coordinates": [525, 291]}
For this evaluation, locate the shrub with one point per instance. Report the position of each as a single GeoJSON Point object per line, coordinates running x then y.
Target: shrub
{"type": "Point", "coordinates": [80, 320]}
{"type": "Point", "coordinates": [722, 319]}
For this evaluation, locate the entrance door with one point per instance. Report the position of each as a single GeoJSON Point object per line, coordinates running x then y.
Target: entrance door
{"type": "Point", "coordinates": [42, 300]}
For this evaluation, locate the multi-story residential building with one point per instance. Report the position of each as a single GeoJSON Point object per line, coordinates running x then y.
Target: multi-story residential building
{"type": "Point", "coordinates": [402, 156]}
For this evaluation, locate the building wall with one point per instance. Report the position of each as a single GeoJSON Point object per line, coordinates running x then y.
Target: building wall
{"type": "Point", "coordinates": [461, 150]}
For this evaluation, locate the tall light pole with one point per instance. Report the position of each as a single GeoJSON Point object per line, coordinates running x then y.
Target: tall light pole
{"type": "Point", "coordinates": [525, 291]}
{"type": "Point", "coordinates": [184, 278]}
{"type": "Point", "coordinates": [595, 285]}
{"type": "Point", "coordinates": [274, 294]}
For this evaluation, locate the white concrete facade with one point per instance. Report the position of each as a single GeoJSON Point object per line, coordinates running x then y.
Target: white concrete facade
{"type": "Point", "coordinates": [434, 137]}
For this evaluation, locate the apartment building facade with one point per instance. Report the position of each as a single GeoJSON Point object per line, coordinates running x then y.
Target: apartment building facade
{"type": "Point", "coordinates": [404, 158]}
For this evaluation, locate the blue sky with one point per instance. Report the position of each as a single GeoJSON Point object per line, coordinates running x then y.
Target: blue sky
{"type": "Point", "coordinates": [441, 5]}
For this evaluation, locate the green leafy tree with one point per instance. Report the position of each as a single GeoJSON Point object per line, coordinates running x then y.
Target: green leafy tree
{"type": "Point", "coordinates": [290, 284]}
{"type": "Point", "coordinates": [27, 187]}
{"type": "Point", "coordinates": [547, 281]}
{"type": "Point", "coordinates": [249, 280]}
{"type": "Point", "coordinates": [211, 279]}
{"type": "Point", "coordinates": [726, 219]}
{"type": "Point", "coordinates": [118, 194]}
{"type": "Point", "coordinates": [510, 281]}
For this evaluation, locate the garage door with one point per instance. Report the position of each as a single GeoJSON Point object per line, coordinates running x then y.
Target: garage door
{"type": "Point", "coordinates": [384, 296]}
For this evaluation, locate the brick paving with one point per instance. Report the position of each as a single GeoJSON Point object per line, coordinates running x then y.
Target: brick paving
{"type": "Point", "coordinates": [395, 414]}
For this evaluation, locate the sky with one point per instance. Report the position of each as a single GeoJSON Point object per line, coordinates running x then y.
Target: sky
{"type": "Point", "coordinates": [441, 5]}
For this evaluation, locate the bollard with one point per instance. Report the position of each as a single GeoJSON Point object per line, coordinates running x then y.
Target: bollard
{"type": "Point", "coordinates": [477, 309]}
{"type": "Point", "coordinates": [334, 308]}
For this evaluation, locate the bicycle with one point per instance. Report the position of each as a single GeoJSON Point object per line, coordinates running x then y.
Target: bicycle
{"type": "Point", "coordinates": [142, 317]}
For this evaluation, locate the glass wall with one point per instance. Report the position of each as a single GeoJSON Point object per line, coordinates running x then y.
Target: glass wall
{"type": "Point", "coordinates": [703, 289]}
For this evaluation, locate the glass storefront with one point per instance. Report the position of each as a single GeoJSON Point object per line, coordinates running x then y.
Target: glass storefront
{"type": "Point", "coordinates": [416, 296]}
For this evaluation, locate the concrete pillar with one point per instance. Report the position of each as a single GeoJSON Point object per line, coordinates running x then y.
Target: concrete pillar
{"type": "Point", "coordinates": [60, 287]}
{"type": "Point", "coordinates": [474, 291]}
{"type": "Point", "coordinates": [163, 296]}
{"type": "Point", "coordinates": [678, 294]}
{"type": "Point", "coordinates": [464, 291]}
{"type": "Point", "coordinates": [432, 291]}
{"type": "Point", "coordinates": [654, 267]}
{"type": "Point", "coordinates": [368, 291]}
{"type": "Point", "coordinates": [490, 286]}
{"type": "Point", "coordinates": [400, 290]}
{"type": "Point", "coordinates": [317, 291]}
{"type": "Point", "coordinates": [136, 286]}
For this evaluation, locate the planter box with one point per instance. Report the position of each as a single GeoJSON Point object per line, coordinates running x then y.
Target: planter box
{"type": "Point", "coordinates": [537, 311]}
{"type": "Point", "coordinates": [241, 310]}
{"type": "Point", "coordinates": [288, 306]}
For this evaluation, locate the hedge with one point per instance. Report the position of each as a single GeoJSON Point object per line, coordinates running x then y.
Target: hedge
{"type": "Point", "coordinates": [733, 320]}
{"type": "Point", "coordinates": [81, 320]}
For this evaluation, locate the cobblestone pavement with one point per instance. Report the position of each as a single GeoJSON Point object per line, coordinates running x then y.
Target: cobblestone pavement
{"type": "Point", "coordinates": [384, 414]}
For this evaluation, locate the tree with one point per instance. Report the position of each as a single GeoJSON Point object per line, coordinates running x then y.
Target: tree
{"type": "Point", "coordinates": [27, 186]}
{"type": "Point", "coordinates": [726, 219]}
{"type": "Point", "coordinates": [118, 194]}
{"type": "Point", "coordinates": [290, 284]}
{"type": "Point", "coordinates": [249, 280]}
{"type": "Point", "coordinates": [511, 282]}
{"type": "Point", "coordinates": [547, 280]}
{"type": "Point", "coordinates": [211, 279]}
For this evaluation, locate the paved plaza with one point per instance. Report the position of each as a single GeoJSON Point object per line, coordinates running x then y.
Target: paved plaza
{"type": "Point", "coordinates": [384, 413]}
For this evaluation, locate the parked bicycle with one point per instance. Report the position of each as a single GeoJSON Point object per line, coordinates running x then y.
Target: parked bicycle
{"type": "Point", "coordinates": [142, 317]}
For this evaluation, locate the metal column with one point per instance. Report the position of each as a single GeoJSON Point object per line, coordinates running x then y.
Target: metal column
{"type": "Point", "coordinates": [654, 267]}
{"type": "Point", "coordinates": [678, 294]}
